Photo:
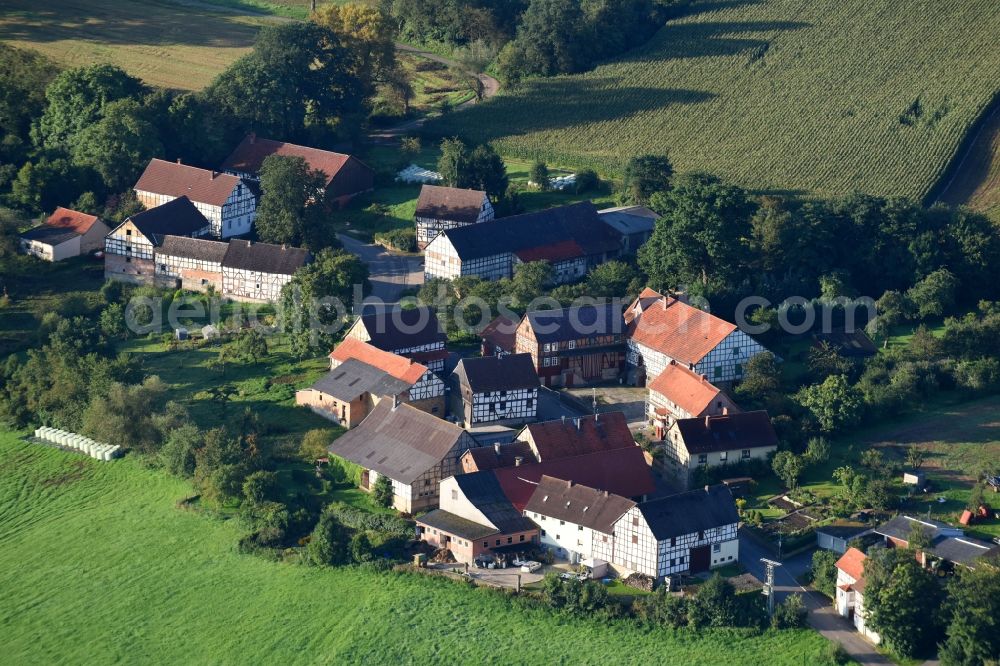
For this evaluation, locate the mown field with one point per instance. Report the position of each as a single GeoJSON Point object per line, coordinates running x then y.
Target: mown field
{"type": "Point", "coordinates": [976, 180]}
{"type": "Point", "coordinates": [98, 566]}
{"type": "Point", "coordinates": [170, 44]}
{"type": "Point", "coordinates": [812, 96]}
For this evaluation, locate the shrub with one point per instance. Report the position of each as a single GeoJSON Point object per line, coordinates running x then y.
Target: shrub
{"type": "Point", "coordinates": [790, 614]}
{"type": "Point", "coordinates": [382, 491]}
{"type": "Point", "coordinates": [344, 471]}
{"type": "Point", "coordinates": [358, 519]}
{"type": "Point", "coordinates": [587, 180]}
{"type": "Point", "coordinates": [836, 653]}
{"type": "Point", "coordinates": [403, 240]}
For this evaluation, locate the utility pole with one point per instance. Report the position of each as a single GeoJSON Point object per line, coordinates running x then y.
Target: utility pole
{"type": "Point", "coordinates": [769, 566]}
{"type": "Point", "coordinates": [593, 394]}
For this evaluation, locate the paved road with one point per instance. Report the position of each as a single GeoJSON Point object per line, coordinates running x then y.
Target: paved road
{"type": "Point", "coordinates": [389, 273]}
{"type": "Point", "coordinates": [822, 616]}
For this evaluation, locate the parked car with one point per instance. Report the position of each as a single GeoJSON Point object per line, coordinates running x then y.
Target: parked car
{"type": "Point", "coordinates": [485, 562]}
{"type": "Point", "coordinates": [531, 566]}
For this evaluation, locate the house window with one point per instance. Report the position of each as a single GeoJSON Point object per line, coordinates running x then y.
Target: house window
{"type": "Point", "coordinates": [571, 344]}
{"type": "Point", "coordinates": [486, 544]}
{"type": "Point", "coordinates": [723, 456]}
{"type": "Point", "coordinates": [702, 458]}
{"type": "Point", "coordinates": [716, 547]}
{"type": "Point", "coordinates": [562, 522]}
{"type": "Point", "coordinates": [718, 371]}
{"type": "Point", "coordinates": [427, 482]}
{"type": "Point", "coordinates": [521, 538]}
{"type": "Point", "coordinates": [739, 369]}
{"type": "Point", "coordinates": [736, 351]}
{"type": "Point", "coordinates": [579, 527]}
{"type": "Point", "coordinates": [163, 267]}
{"type": "Point", "coordinates": [746, 453]}
{"type": "Point", "coordinates": [635, 520]}
{"type": "Point", "coordinates": [498, 542]}
{"type": "Point", "coordinates": [128, 232]}
{"type": "Point", "coordinates": [543, 532]}
{"type": "Point", "coordinates": [635, 539]}
{"type": "Point", "coordinates": [604, 538]}
{"type": "Point", "coordinates": [454, 494]}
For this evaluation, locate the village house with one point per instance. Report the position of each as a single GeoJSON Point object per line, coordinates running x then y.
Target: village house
{"type": "Point", "coordinates": [574, 346]}
{"type": "Point", "coordinates": [440, 208]}
{"type": "Point", "coordinates": [499, 336]}
{"type": "Point", "coordinates": [257, 271]}
{"type": "Point", "coordinates": [476, 518]}
{"type": "Point", "coordinates": [563, 438]}
{"type": "Point", "coordinates": [576, 522]}
{"type": "Point", "coordinates": [572, 239]}
{"type": "Point", "coordinates": [414, 333]}
{"type": "Point", "coordinates": [947, 547]}
{"type": "Point", "coordinates": [687, 533]}
{"type": "Point", "coordinates": [346, 176]}
{"type": "Point", "coordinates": [634, 223]}
{"type": "Point", "coordinates": [499, 454]}
{"type": "Point", "coordinates": [189, 263]}
{"type": "Point", "coordinates": [494, 390]}
{"type": "Point", "coordinates": [64, 234]}
{"type": "Point", "coordinates": [679, 393]}
{"type": "Point", "coordinates": [663, 329]}
{"type": "Point", "coordinates": [361, 375]}
{"type": "Point", "coordinates": [850, 599]}
{"type": "Point", "coordinates": [226, 201]}
{"type": "Point", "coordinates": [130, 247]}
{"type": "Point", "coordinates": [413, 449]}
{"type": "Point", "coordinates": [712, 441]}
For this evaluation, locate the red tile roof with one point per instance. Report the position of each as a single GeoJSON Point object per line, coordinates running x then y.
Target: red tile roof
{"type": "Point", "coordinates": [252, 151]}
{"type": "Point", "coordinates": [73, 220]}
{"type": "Point", "coordinates": [676, 329]}
{"type": "Point", "coordinates": [401, 368]}
{"type": "Point", "coordinates": [177, 180]}
{"type": "Point", "coordinates": [561, 439]}
{"type": "Point", "coordinates": [852, 563]}
{"type": "Point", "coordinates": [621, 471]}
{"type": "Point", "coordinates": [501, 332]}
{"type": "Point", "coordinates": [567, 249]}
{"type": "Point", "coordinates": [687, 389]}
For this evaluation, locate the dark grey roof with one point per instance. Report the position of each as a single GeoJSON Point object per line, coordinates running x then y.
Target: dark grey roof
{"type": "Point", "coordinates": [741, 430]}
{"type": "Point", "coordinates": [852, 345]}
{"type": "Point", "coordinates": [576, 222]}
{"type": "Point", "coordinates": [629, 219]}
{"type": "Point", "coordinates": [842, 531]}
{"type": "Point", "coordinates": [353, 378]}
{"type": "Point", "coordinates": [962, 550]}
{"type": "Point", "coordinates": [401, 443]}
{"type": "Point", "coordinates": [178, 217]}
{"type": "Point", "coordinates": [690, 512]}
{"type": "Point", "coordinates": [581, 505]}
{"type": "Point", "coordinates": [193, 248]}
{"type": "Point", "coordinates": [399, 328]}
{"type": "Point", "coordinates": [483, 490]}
{"type": "Point", "coordinates": [900, 527]}
{"type": "Point", "coordinates": [497, 373]}
{"type": "Point", "coordinates": [577, 322]}
{"type": "Point", "coordinates": [49, 234]}
{"type": "Point", "coordinates": [452, 524]}
{"type": "Point", "coordinates": [947, 542]}
{"type": "Point", "coordinates": [264, 257]}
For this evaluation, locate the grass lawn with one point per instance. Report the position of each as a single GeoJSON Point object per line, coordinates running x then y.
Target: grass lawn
{"type": "Point", "coordinates": [820, 97]}
{"type": "Point", "coordinates": [172, 45]}
{"type": "Point", "coordinates": [98, 566]}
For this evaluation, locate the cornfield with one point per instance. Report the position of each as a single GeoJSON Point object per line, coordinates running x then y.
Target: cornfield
{"type": "Point", "coordinates": [797, 96]}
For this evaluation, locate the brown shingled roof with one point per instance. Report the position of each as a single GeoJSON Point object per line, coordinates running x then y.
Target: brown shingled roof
{"type": "Point", "coordinates": [578, 504]}
{"type": "Point", "coordinates": [687, 389]}
{"type": "Point", "coordinates": [175, 180]}
{"type": "Point", "coordinates": [72, 220]}
{"type": "Point", "coordinates": [252, 151]}
{"type": "Point", "coordinates": [399, 367]}
{"type": "Point", "coordinates": [574, 437]}
{"type": "Point", "coordinates": [679, 330]}
{"type": "Point", "coordinates": [450, 203]}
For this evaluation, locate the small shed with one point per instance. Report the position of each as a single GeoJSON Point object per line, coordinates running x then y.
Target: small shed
{"type": "Point", "coordinates": [181, 333]}
{"type": "Point", "coordinates": [914, 478]}
{"type": "Point", "coordinates": [209, 332]}
{"type": "Point", "coordinates": [835, 537]}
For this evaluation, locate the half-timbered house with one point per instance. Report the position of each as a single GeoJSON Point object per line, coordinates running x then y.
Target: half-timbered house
{"type": "Point", "coordinates": [680, 393]}
{"type": "Point", "coordinates": [440, 208]}
{"type": "Point", "coordinates": [225, 200]}
{"type": "Point", "coordinates": [476, 518]}
{"type": "Point", "coordinates": [712, 441]}
{"type": "Point", "coordinates": [688, 533]}
{"type": "Point", "coordinates": [498, 336]}
{"type": "Point", "coordinates": [257, 271]}
{"type": "Point", "coordinates": [572, 239]}
{"type": "Point", "coordinates": [346, 176]}
{"type": "Point", "coordinates": [129, 248]}
{"type": "Point", "coordinates": [662, 329]}
{"type": "Point", "coordinates": [414, 333]}
{"type": "Point", "coordinates": [190, 263]}
{"type": "Point", "coordinates": [414, 449]}
{"type": "Point", "coordinates": [494, 390]}
{"type": "Point", "coordinates": [574, 346]}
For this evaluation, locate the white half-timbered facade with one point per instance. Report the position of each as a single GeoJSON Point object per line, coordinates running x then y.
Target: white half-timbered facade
{"type": "Point", "coordinates": [413, 333]}
{"type": "Point", "coordinates": [258, 271]}
{"type": "Point", "coordinates": [443, 208]}
{"type": "Point", "coordinates": [495, 390]}
{"type": "Point", "coordinates": [190, 263]}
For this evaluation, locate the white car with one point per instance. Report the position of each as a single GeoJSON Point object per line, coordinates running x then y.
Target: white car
{"type": "Point", "coordinates": [531, 567]}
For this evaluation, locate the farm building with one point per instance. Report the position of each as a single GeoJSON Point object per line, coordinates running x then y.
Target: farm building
{"type": "Point", "coordinates": [190, 263]}
{"type": "Point", "coordinates": [948, 545]}
{"type": "Point", "coordinates": [499, 454]}
{"type": "Point", "coordinates": [634, 223]}
{"type": "Point", "coordinates": [688, 533]}
{"type": "Point", "coordinates": [835, 537]}
{"type": "Point", "coordinates": [412, 448]}
{"type": "Point", "coordinates": [711, 441]}
{"type": "Point", "coordinates": [226, 201]}
{"type": "Point", "coordinates": [577, 522]}
{"type": "Point", "coordinates": [64, 234]}
{"type": "Point", "coordinates": [663, 329]}
{"type": "Point", "coordinates": [346, 176]}
{"type": "Point", "coordinates": [498, 336]}
{"type": "Point", "coordinates": [257, 271]}
{"type": "Point", "coordinates": [494, 390]}
{"type": "Point", "coordinates": [570, 238]}
{"type": "Point", "coordinates": [414, 333]}
{"type": "Point", "coordinates": [850, 599]}
{"type": "Point", "coordinates": [563, 438]}
{"type": "Point", "coordinates": [440, 208]}
{"type": "Point", "coordinates": [475, 517]}
{"type": "Point", "coordinates": [574, 346]}
{"type": "Point", "coordinates": [129, 248]}
{"type": "Point", "coordinates": [680, 393]}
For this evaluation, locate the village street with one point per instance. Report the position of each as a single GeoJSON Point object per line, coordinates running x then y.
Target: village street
{"type": "Point", "coordinates": [390, 274]}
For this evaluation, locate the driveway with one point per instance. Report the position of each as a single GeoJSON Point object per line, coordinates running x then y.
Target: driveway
{"type": "Point", "coordinates": [822, 616]}
{"type": "Point", "coordinates": [616, 398]}
{"type": "Point", "coordinates": [389, 273]}
{"type": "Point", "coordinates": [550, 407]}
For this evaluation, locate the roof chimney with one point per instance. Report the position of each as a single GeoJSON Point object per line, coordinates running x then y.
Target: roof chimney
{"type": "Point", "coordinates": [706, 489]}
{"type": "Point", "coordinates": [284, 246]}
{"type": "Point", "coordinates": [577, 422]}
{"type": "Point", "coordinates": [708, 421]}
{"type": "Point", "coordinates": [564, 419]}
{"type": "Point", "coordinates": [518, 460]}
{"type": "Point", "coordinates": [496, 447]}
{"type": "Point", "coordinates": [725, 411]}
{"type": "Point", "coordinates": [178, 160]}
{"type": "Point", "coordinates": [252, 136]}
{"type": "Point", "coordinates": [214, 174]}
{"type": "Point", "coordinates": [395, 401]}
{"type": "Point", "coordinates": [569, 484]}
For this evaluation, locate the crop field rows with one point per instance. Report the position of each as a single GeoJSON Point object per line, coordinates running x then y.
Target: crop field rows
{"type": "Point", "coordinates": [782, 95]}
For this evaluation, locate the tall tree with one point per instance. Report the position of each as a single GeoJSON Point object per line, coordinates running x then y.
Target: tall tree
{"type": "Point", "coordinates": [973, 612]}
{"type": "Point", "coordinates": [644, 176]}
{"type": "Point", "coordinates": [289, 211]}
{"type": "Point", "coordinates": [24, 76]}
{"type": "Point", "coordinates": [902, 602]}
{"type": "Point", "coordinates": [118, 146]}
